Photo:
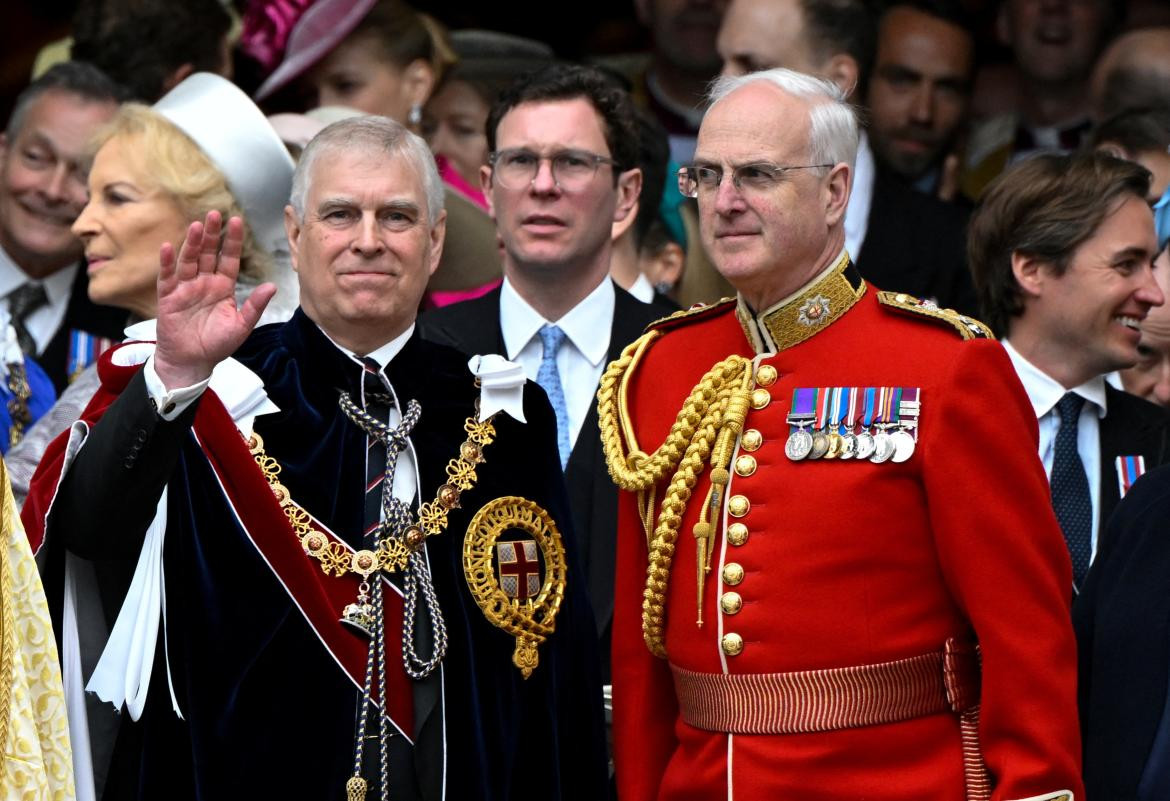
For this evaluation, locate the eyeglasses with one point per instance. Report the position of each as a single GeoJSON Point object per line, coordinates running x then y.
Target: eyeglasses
{"type": "Point", "coordinates": [750, 179]}
{"type": "Point", "coordinates": [516, 168]}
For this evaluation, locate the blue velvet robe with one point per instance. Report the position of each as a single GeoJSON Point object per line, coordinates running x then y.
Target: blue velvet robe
{"type": "Point", "coordinates": [269, 713]}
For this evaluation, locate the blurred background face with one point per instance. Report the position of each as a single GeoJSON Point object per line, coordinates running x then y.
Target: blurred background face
{"type": "Point", "coordinates": [762, 34]}
{"type": "Point", "coordinates": [126, 221]}
{"type": "Point", "coordinates": [454, 124]}
{"type": "Point", "coordinates": [42, 180]}
{"type": "Point", "coordinates": [684, 32]}
{"type": "Point", "coordinates": [356, 74]}
{"type": "Point", "coordinates": [919, 90]}
{"type": "Point", "coordinates": [1054, 41]}
{"type": "Point", "coordinates": [1150, 377]}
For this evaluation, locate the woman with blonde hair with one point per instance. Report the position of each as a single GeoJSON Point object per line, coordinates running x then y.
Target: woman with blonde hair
{"type": "Point", "coordinates": [156, 169]}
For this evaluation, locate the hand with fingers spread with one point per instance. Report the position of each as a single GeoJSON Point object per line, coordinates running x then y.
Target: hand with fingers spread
{"type": "Point", "coordinates": [198, 322]}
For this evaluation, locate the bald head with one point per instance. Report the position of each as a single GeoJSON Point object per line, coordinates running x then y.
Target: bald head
{"type": "Point", "coordinates": [1133, 72]}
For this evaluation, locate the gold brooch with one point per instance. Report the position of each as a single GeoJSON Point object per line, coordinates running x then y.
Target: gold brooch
{"type": "Point", "coordinates": [505, 575]}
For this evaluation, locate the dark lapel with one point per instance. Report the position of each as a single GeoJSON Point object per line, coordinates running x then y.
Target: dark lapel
{"type": "Point", "coordinates": [1131, 426]}
{"type": "Point", "coordinates": [81, 314]}
{"type": "Point", "coordinates": [472, 326]}
{"type": "Point", "coordinates": [592, 494]}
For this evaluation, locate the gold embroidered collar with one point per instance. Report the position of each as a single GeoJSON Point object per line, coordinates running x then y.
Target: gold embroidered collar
{"type": "Point", "coordinates": [808, 311]}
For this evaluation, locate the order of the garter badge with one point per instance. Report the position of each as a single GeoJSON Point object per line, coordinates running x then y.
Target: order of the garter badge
{"type": "Point", "coordinates": [514, 563]}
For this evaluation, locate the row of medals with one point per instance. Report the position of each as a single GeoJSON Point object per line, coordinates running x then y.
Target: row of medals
{"type": "Point", "coordinates": [889, 443]}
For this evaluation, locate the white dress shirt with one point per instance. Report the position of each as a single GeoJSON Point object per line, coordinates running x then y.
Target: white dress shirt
{"type": "Point", "coordinates": [860, 198]}
{"type": "Point", "coordinates": [1045, 392]}
{"type": "Point", "coordinates": [582, 357]}
{"type": "Point", "coordinates": [43, 323]}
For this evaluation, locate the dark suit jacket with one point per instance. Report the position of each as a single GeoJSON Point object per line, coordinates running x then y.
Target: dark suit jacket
{"type": "Point", "coordinates": [1122, 618]}
{"type": "Point", "coordinates": [474, 327]}
{"type": "Point", "coordinates": [81, 314]}
{"type": "Point", "coordinates": [1131, 426]}
{"type": "Point", "coordinates": [916, 244]}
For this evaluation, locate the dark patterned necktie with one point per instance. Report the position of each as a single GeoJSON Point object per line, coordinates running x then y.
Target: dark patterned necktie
{"type": "Point", "coordinates": [377, 401]}
{"type": "Point", "coordinates": [1070, 487]}
{"type": "Point", "coordinates": [22, 302]}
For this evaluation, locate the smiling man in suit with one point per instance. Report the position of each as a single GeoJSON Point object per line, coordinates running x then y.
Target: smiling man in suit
{"type": "Point", "coordinates": [1062, 252]}
{"type": "Point", "coordinates": [563, 170]}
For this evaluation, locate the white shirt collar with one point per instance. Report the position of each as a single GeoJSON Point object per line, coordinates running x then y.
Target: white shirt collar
{"type": "Point", "coordinates": [642, 289]}
{"type": "Point", "coordinates": [587, 325]}
{"type": "Point", "coordinates": [1045, 392]}
{"type": "Point", "coordinates": [860, 198]}
{"type": "Point", "coordinates": [57, 286]}
{"type": "Point", "coordinates": [383, 355]}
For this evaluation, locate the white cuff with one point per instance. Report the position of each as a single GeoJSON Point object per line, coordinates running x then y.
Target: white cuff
{"type": "Point", "coordinates": [170, 403]}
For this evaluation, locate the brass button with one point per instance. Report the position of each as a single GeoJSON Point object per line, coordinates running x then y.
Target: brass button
{"type": "Point", "coordinates": [732, 573]}
{"type": "Point", "coordinates": [732, 644]}
{"type": "Point", "coordinates": [731, 602]}
{"type": "Point", "coordinates": [766, 375]}
{"type": "Point", "coordinates": [751, 440]}
{"type": "Point", "coordinates": [761, 398]}
{"type": "Point", "coordinates": [738, 506]}
{"type": "Point", "coordinates": [737, 533]}
{"type": "Point", "coordinates": [745, 465]}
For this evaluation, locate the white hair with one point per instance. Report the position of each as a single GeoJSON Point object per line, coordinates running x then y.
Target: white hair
{"type": "Point", "coordinates": [833, 133]}
{"type": "Point", "coordinates": [368, 135]}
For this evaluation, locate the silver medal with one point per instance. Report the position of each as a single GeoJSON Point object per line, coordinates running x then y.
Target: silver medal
{"type": "Point", "coordinates": [883, 448]}
{"type": "Point", "coordinates": [799, 444]}
{"type": "Point", "coordinates": [865, 446]}
{"type": "Point", "coordinates": [848, 446]}
{"type": "Point", "coordinates": [903, 445]}
{"type": "Point", "coordinates": [820, 445]}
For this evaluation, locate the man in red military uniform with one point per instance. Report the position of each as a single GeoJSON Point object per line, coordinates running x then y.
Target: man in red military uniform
{"type": "Point", "coordinates": [839, 576]}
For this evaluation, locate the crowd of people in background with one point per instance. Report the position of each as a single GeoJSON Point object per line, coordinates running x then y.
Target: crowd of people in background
{"type": "Point", "coordinates": [378, 193]}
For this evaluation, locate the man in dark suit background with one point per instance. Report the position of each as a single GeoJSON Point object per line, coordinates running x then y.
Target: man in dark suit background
{"type": "Point", "coordinates": [900, 239]}
{"type": "Point", "coordinates": [1061, 251]}
{"type": "Point", "coordinates": [563, 170]}
{"type": "Point", "coordinates": [43, 283]}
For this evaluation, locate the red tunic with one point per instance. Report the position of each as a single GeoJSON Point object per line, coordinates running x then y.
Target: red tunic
{"type": "Point", "coordinates": [850, 563]}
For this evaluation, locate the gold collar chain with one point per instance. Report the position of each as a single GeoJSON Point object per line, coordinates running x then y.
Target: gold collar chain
{"type": "Point", "coordinates": [805, 313]}
{"type": "Point", "coordinates": [392, 553]}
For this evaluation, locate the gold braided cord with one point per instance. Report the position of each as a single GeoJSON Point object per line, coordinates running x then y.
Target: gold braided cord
{"type": "Point", "coordinates": [631, 468]}
{"type": "Point", "coordinates": [717, 405]}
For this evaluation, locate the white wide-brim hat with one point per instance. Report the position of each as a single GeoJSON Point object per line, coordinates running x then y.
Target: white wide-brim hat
{"type": "Point", "coordinates": [236, 136]}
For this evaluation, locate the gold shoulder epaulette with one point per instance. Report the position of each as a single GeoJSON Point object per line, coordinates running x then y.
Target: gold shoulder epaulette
{"type": "Point", "coordinates": [968, 327]}
{"type": "Point", "coordinates": [699, 311]}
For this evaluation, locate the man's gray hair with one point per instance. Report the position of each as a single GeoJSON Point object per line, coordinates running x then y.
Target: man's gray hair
{"type": "Point", "coordinates": [833, 132]}
{"type": "Point", "coordinates": [369, 135]}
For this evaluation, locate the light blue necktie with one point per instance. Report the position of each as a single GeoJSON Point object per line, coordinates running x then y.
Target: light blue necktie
{"type": "Point", "coordinates": [549, 379]}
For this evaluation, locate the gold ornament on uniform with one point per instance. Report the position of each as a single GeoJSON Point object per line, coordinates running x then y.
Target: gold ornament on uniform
{"type": "Point", "coordinates": [392, 554]}
{"type": "Point", "coordinates": [703, 434]}
{"type": "Point", "coordinates": [529, 620]}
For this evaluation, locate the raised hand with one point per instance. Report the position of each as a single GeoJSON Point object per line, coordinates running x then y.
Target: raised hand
{"type": "Point", "coordinates": [198, 322]}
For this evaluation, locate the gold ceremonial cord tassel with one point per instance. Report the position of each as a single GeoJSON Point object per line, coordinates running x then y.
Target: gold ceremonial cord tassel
{"type": "Point", "coordinates": [355, 789]}
{"type": "Point", "coordinates": [708, 412]}
{"type": "Point", "coordinates": [704, 530]}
